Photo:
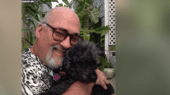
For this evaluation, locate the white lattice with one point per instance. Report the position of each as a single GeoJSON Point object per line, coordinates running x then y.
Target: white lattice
{"type": "Point", "coordinates": [112, 22]}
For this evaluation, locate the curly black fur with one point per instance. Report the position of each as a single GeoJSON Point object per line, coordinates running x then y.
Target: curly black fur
{"type": "Point", "coordinates": [79, 63]}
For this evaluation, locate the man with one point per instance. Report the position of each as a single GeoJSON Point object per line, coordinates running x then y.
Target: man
{"type": "Point", "coordinates": [58, 31]}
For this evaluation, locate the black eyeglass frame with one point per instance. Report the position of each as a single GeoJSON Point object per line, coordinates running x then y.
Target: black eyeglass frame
{"type": "Point", "coordinates": [67, 34]}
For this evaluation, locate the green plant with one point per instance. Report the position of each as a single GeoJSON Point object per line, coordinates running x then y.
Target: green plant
{"type": "Point", "coordinates": [104, 63]}
{"type": "Point", "coordinates": [89, 20]}
{"type": "Point", "coordinates": [31, 15]}
{"type": "Point", "coordinates": [112, 47]}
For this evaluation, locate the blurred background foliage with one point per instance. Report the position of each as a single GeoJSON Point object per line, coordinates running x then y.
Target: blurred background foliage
{"type": "Point", "coordinates": [31, 15]}
{"type": "Point", "coordinates": [111, 48]}
{"type": "Point", "coordinates": [104, 63]}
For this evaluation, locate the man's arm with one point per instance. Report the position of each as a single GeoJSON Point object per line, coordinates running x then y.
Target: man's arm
{"type": "Point", "coordinates": [79, 88]}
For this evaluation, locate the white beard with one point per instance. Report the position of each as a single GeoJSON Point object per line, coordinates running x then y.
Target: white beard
{"type": "Point", "coordinates": [53, 62]}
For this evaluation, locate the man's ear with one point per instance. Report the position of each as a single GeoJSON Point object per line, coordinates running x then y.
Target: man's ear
{"type": "Point", "coordinates": [39, 30]}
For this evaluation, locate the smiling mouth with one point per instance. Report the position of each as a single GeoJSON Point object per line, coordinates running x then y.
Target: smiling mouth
{"type": "Point", "coordinates": [59, 51]}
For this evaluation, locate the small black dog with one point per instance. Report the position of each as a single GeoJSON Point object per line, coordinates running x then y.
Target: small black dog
{"type": "Point", "coordinates": [79, 63]}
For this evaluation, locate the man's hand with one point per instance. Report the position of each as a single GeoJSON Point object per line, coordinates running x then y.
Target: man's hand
{"type": "Point", "coordinates": [101, 79]}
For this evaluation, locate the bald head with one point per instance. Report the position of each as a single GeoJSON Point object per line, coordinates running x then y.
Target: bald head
{"type": "Point", "coordinates": [59, 12]}
{"type": "Point", "coordinates": [62, 14]}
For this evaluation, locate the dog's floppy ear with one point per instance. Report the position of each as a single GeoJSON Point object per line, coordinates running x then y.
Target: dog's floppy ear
{"type": "Point", "coordinates": [68, 63]}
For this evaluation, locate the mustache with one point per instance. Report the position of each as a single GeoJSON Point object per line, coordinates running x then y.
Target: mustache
{"type": "Point", "coordinates": [59, 48]}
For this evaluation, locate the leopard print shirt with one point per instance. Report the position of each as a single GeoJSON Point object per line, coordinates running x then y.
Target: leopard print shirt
{"type": "Point", "coordinates": [36, 77]}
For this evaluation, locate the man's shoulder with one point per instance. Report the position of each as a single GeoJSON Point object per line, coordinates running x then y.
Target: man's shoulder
{"type": "Point", "coordinates": [28, 58]}
{"type": "Point", "coordinates": [35, 75]}
{"type": "Point", "coordinates": [31, 61]}
{"type": "Point", "coordinates": [26, 53]}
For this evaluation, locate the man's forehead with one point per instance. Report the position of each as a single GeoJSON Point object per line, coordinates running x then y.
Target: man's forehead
{"type": "Point", "coordinates": [64, 19]}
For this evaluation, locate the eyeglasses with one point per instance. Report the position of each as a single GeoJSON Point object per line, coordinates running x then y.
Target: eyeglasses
{"type": "Point", "coordinates": [61, 34]}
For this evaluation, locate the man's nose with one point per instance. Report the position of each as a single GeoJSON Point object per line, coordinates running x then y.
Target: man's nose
{"type": "Point", "coordinates": [66, 43]}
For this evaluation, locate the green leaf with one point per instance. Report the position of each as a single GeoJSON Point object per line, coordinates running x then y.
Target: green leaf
{"type": "Point", "coordinates": [24, 45]}
{"type": "Point", "coordinates": [80, 5]}
{"type": "Point", "coordinates": [55, 1]}
{"type": "Point", "coordinates": [101, 44]}
{"type": "Point", "coordinates": [101, 39]}
{"type": "Point", "coordinates": [27, 41]}
{"type": "Point", "coordinates": [83, 16]}
{"type": "Point", "coordinates": [31, 8]}
{"type": "Point", "coordinates": [104, 63]}
{"type": "Point", "coordinates": [35, 16]}
{"type": "Point", "coordinates": [61, 5]}
{"type": "Point", "coordinates": [33, 24]}
{"type": "Point", "coordinates": [25, 22]}
{"type": "Point", "coordinates": [86, 37]}
{"type": "Point", "coordinates": [65, 6]}
{"type": "Point", "coordinates": [89, 1]}
{"type": "Point", "coordinates": [31, 40]}
{"type": "Point", "coordinates": [85, 33]}
{"type": "Point", "coordinates": [83, 5]}
{"type": "Point", "coordinates": [112, 47]}
{"type": "Point", "coordinates": [94, 15]}
{"type": "Point", "coordinates": [67, 3]}
{"type": "Point", "coordinates": [92, 31]}
{"type": "Point", "coordinates": [103, 30]}
{"type": "Point", "coordinates": [49, 5]}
